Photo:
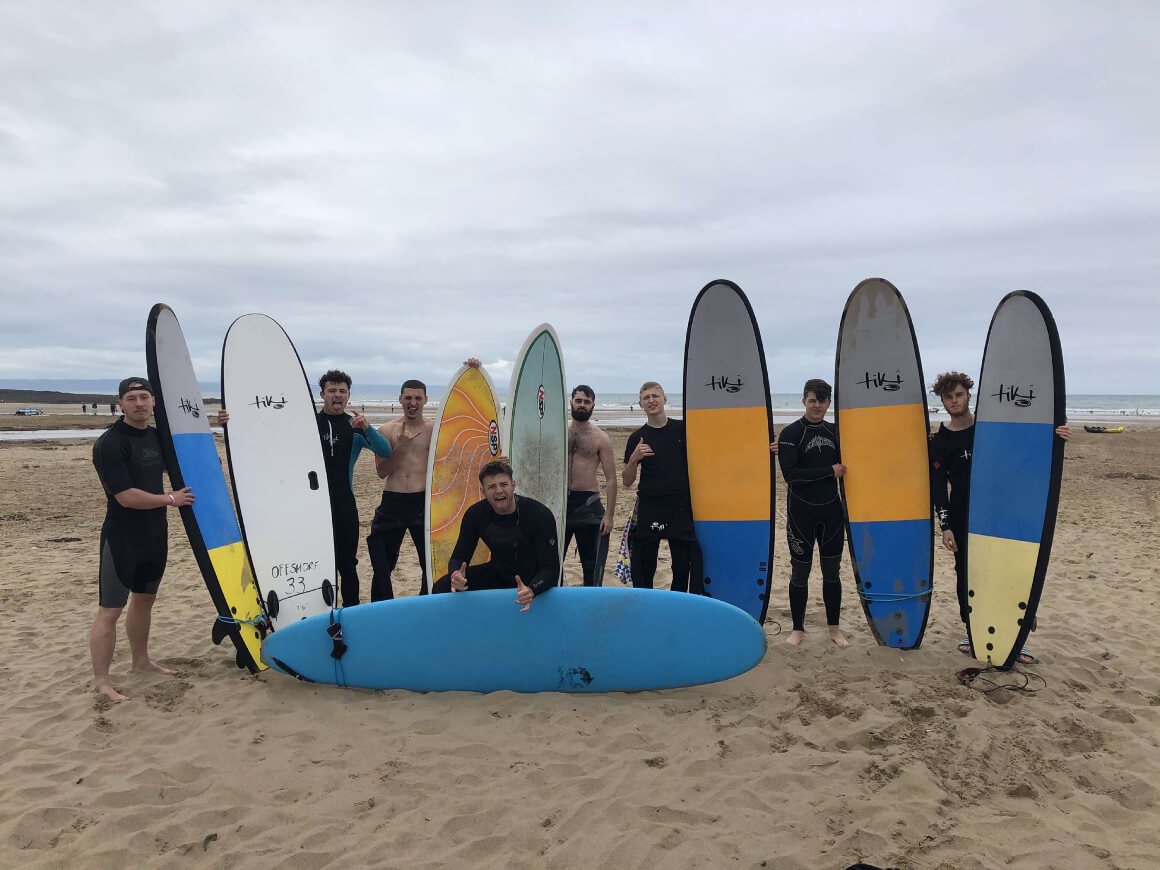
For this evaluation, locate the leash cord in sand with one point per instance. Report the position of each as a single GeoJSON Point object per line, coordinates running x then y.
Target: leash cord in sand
{"type": "Point", "coordinates": [968, 676]}
{"type": "Point", "coordinates": [890, 597]}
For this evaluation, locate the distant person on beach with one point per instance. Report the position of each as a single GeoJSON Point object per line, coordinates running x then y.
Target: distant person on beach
{"type": "Point", "coordinates": [589, 447]}
{"type": "Point", "coordinates": [664, 505]}
{"type": "Point", "coordinates": [807, 451]}
{"type": "Point", "coordinates": [403, 507]}
{"type": "Point", "coordinates": [951, 450]}
{"type": "Point", "coordinates": [112, 409]}
{"type": "Point", "coordinates": [521, 534]}
{"type": "Point", "coordinates": [134, 537]}
{"type": "Point", "coordinates": [85, 408]}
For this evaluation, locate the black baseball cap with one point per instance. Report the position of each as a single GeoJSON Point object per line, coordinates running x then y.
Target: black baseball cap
{"type": "Point", "coordinates": [130, 384]}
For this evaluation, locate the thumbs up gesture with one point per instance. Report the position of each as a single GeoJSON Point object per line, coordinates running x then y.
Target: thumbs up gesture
{"type": "Point", "coordinates": [459, 579]}
{"type": "Point", "coordinates": [524, 595]}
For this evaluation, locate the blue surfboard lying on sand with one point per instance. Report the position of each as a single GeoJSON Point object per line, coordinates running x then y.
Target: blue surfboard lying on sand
{"type": "Point", "coordinates": [573, 639]}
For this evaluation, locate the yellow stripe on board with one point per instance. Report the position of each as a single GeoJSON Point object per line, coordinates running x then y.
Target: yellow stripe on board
{"type": "Point", "coordinates": [728, 463]}
{"type": "Point", "coordinates": [1000, 572]}
{"type": "Point", "coordinates": [887, 468]}
{"type": "Point", "coordinates": [237, 585]}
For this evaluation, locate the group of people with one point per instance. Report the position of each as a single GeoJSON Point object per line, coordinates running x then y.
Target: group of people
{"type": "Point", "coordinates": [521, 533]}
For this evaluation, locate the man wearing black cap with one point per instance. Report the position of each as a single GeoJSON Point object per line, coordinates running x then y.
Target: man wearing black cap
{"type": "Point", "coordinates": [134, 542]}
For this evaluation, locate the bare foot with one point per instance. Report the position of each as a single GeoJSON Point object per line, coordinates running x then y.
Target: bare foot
{"type": "Point", "coordinates": [795, 638]}
{"type": "Point", "coordinates": [105, 688]}
{"type": "Point", "coordinates": [838, 638]}
{"type": "Point", "coordinates": [151, 667]}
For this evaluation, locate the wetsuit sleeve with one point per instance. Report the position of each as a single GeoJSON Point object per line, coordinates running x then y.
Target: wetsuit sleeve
{"type": "Point", "coordinates": [469, 531]}
{"type": "Point", "coordinates": [112, 462]}
{"type": "Point", "coordinates": [938, 485]}
{"type": "Point", "coordinates": [374, 439]}
{"type": "Point", "coordinates": [787, 458]}
{"type": "Point", "coordinates": [547, 554]}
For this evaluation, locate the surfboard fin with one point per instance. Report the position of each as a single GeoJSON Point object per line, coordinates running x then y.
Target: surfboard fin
{"type": "Point", "coordinates": [220, 632]}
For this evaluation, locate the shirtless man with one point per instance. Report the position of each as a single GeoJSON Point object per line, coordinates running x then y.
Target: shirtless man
{"type": "Point", "coordinates": [403, 505]}
{"type": "Point", "coordinates": [587, 519]}
{"type": "Point", "coordinates": [404, 502]}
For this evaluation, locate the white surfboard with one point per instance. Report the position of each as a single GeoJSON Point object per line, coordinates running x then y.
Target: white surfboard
{"type": "Point", "coordinates": [537, 419]}
{"type": "Point", "coordinates": [277, 469]}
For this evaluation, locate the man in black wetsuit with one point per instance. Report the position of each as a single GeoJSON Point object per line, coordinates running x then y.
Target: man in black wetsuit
{"type": "Point", "coordinates": [951, 449]}
{"type": "Point", "coordinates": [134, 536]}
{"type": "Point", "coordinates": [343, 438]}
{"type": "Point", "coordinates": [521, 534]}
{"type": "Point", "coordinates": [807, 451]}
{"type": "Point", "coordinates": [664, 505]}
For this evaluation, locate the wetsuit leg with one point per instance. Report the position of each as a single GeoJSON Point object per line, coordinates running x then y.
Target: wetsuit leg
{"type": "Point", "coordinates": [383, 545]}
{"type": "Point", "coordinates": [584, 515]}
{"type": "Point", "coordinates": [478, 577]}
{"type": "Point", "coordinates": [800, 533]}
{"type": "Point", "coordinates": [799, 593]}
{"type": "Point", "coordinates": [130, 565]}
{"type": "Point", "coordinates": [418, 533]}
{"type": "Point", "coordinates": [831, 538]}
{"type": "Point", "coordinates": [345, 524]}
{"type": "Point", "coordinates": [688, 567]}
{"type": "Point", "coordinates": [960, 533]}
{"type": "Point", "coordinates": [644, 561]}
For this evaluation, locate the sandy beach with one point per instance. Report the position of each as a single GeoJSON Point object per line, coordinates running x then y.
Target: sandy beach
{"type": "Point", "coordinates": [816, 758]}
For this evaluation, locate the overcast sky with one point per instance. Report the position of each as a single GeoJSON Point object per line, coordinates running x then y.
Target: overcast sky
{"type": "Point", "coordinates": [404, 184]}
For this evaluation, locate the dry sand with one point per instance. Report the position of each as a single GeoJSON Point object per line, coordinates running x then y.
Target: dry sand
{"type": "Point", "coordinates": [816, 758]}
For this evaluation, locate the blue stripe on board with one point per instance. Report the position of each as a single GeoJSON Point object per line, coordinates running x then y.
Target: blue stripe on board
{"type": "Point", "coordinates": [202, 471]}
{"type": "Point", "coordinates": [1010, 477]}
{"type": "Point", "coordinates": [736, 554]}
{"type": "Point", "coordinates": [894, 565]}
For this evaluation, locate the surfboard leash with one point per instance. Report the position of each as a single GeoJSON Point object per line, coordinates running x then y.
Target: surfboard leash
{"type": "Point", "coordinates": [970, 676]}
{"type": "Point", "coordinates": [339, 648]}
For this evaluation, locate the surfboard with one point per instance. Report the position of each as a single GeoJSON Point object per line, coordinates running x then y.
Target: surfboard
{"type": "Point", "coordinates": [277, 470]}
{"type": "Point", "coordinates": [191, 459]}
{"type": "Point", "coordinates": [883, 440]}
{"type": "Point", "coordinates": [573, 639]}
{"type": "Point", "coordinates": [1016, 471]}
{"type": "Point", "coordinates": [465, 438]}
{"type": "Point", "coordinates": [728, 429]}
{"type": "Point", "coordinates": [537, 419]}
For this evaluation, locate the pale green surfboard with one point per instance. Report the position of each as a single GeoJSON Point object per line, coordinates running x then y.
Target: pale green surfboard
{"type": "Point", "coordinates": [537, 422]}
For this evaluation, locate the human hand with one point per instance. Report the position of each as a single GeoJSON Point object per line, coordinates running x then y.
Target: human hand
{"type": "Point", "coordinates": [839, 470]}
{"type": "Point", "coordinates": [223, 417]}
{"type": "Point", "coordinates": [359, 422]}
{"type": "Point", "coordinates": [606, 525]}
{"type": "Point", "coordinates": [459, 579]}
{"type": "Point", "coordinates": [949, 541]}
{"type": "Point", "coordinates": [642, 451]}
{"type": "Point", "coordinates": [524, 595]}
{"type": "Point", "coordinates": [472, 362]}
{"type": "Point", "coordinates": [773, 447]}
{"type": "Point", "coordinates": [1063, 432]}
{"type": "Point", "coordinates": [182, 497]}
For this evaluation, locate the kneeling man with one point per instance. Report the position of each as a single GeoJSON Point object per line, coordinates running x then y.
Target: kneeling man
{"type": "Point", "coordinates": [521, 534]}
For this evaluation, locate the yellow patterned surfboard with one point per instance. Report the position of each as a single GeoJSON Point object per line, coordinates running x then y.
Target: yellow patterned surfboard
{"type": "Point", "coordinates": [466, 437]}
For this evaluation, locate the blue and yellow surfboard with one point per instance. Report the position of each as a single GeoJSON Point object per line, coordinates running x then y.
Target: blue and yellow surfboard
{"type": "Point", "coordinates": [1015, 476]}
{"type": "Point", "coordinates": [729, 426]}
{"type": "Point", "coordinates": [191, 459]}
{"type": "Point", "coordinates": [883, 428]}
